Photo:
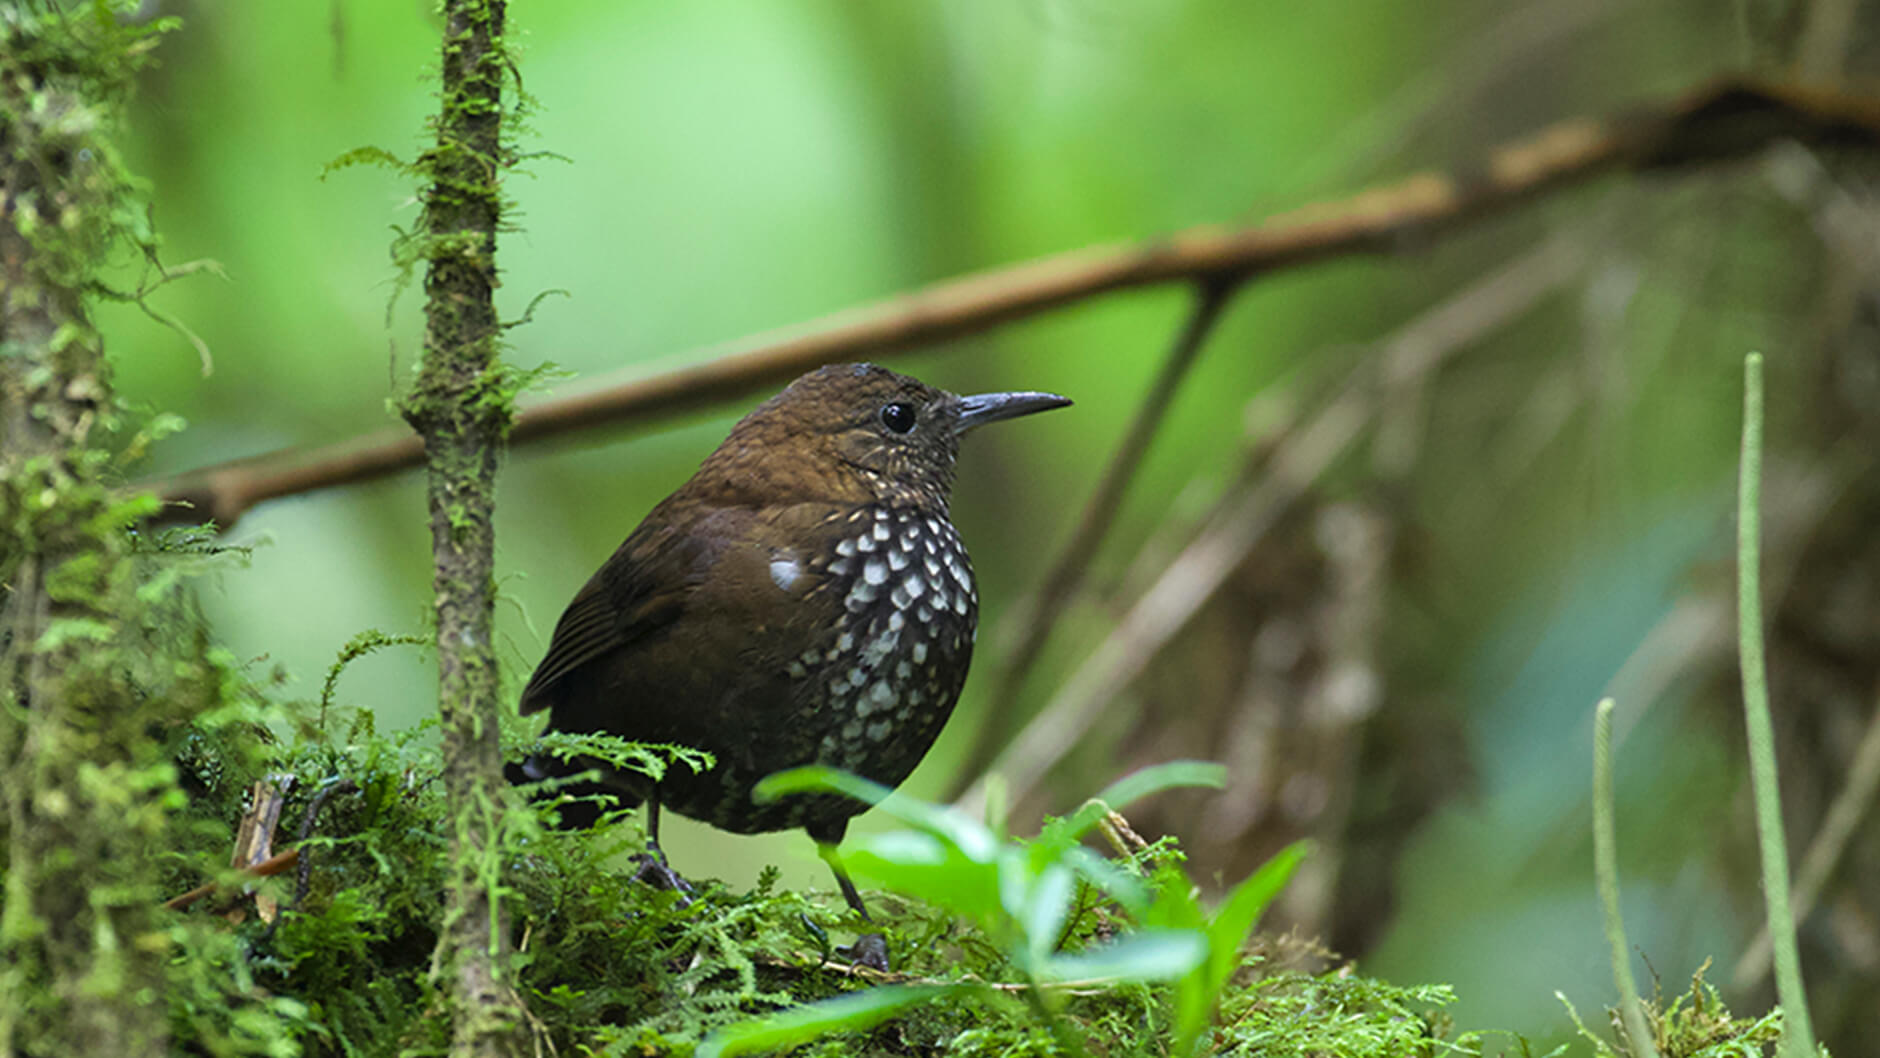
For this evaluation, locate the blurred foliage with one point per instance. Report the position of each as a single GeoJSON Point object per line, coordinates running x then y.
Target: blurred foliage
{"type": "Point", "coordinates": [736, 167]}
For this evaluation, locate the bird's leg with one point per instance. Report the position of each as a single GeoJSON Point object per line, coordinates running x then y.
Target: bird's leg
{"type": "Point", "coordinates": [870, 949]}
{"type": "Point", "coordinates": [654, 870]}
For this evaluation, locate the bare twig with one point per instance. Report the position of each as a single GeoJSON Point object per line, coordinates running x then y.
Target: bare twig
{"type": "Point", "coordinates": [1031, 619]}
{"type": "Point", "coordinates": [303, 881]}
{"type": "Point", "coordinates": [272, 865]}
{"type": "Point", "coordinates": [1719, 121]}
{"type": "Point", "coordinates": [1245, 515]}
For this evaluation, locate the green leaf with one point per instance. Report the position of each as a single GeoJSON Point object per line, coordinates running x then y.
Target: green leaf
{"type": "Point", "coordinates": [929, 868]}
{"type": "Point", "coordinates": [648, 758]}
{"type": "Point", "coordinates": [1127, 889]}
{"type": "Point", "coordinates": [1150, 955]}
{"type": "Point", "coordinates": [1176, 773]}
{"type": "Point", "coordinates": [1132, 788]}
{"type": "Point", "coordinates": [1039, 901]}
{"type": "Point", "coordinates": [789, 1028]}
{"type": "Point", "coordinates": [1234, 922]}
{"type": "Point", "coordinates": [971, 836]}
{"type": "Point", "coordinates": [1226, 933]}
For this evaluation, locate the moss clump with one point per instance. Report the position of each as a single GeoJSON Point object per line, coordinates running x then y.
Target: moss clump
{"type": "Point", "coordinates": [611, 966]}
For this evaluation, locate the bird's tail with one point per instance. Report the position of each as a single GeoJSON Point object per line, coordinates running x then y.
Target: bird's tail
{"type": "Point", "coordinates": [579, 788]}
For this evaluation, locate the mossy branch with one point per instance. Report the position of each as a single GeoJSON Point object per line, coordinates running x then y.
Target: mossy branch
{"type": "Point", "coordinates": [461, 407]}
{"type": "Point", "coordinates": [86, 793]}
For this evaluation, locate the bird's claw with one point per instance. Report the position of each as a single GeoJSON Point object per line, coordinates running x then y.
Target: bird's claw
{"type": "Point", "coordinates": [870, 950]}
{"type": "Point", "coordinates": [656, 872]}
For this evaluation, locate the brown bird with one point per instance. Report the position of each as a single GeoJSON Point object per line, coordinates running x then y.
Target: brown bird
{"type": "Point", "coordinates": [803, 599]}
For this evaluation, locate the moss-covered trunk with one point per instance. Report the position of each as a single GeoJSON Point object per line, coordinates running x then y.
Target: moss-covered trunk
{"type": "Point", "coordinates": [84, 790]}
{"type": "Point", "coordinates": [461, 407]}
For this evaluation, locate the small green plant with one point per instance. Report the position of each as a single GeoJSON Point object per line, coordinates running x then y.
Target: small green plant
{"type": "Point", "coordinates": [1031, 899]}
{"type": "Point", "coordinates": [1697, 1024]}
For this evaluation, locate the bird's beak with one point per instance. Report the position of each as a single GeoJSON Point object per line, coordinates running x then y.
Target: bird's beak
{"type": "Point", "coordinates": [982, 408]}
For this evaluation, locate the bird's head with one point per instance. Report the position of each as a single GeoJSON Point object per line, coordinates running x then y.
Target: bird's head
{"type": "Point", "coordinates": [862, 433]}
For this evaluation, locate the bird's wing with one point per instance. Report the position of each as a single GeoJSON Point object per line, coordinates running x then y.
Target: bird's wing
{"type": "Point", "coordinates": [632, 597]}
{"type": "Point", "coordinates": [655, 576]}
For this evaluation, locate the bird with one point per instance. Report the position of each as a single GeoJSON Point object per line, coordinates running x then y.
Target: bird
{"type": "Point", "coordinates": [803, 598]}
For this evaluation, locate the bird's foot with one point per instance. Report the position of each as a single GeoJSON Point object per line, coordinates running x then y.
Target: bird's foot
{"type": "Point", "coordinates": [870, 950]}
{"type": "Point", "coordinates": [656, 872]}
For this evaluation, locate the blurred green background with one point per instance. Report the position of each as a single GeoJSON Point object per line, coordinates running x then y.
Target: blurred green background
{"type": "Point", "coordinates": [728, 167]}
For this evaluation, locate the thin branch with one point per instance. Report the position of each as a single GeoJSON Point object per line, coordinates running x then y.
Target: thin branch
{"type": "Point", "coordinates": [1244, 516]}
{"type": "Point", "coordinates": [1719, 121]}
{"type": "Point", "coordinates": [270, 866]}
{"type": "Point", "coordinates": [1032, 618]}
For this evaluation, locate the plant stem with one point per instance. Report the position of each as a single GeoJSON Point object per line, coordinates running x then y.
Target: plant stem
{"type": "Point", "coordinates": [1606, 870]}
{"type": "Point", "coordinates": [1798, 1035]}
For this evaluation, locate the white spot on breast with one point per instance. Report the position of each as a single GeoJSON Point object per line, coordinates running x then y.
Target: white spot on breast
{"type": "Point", "coordinates": [785, 572]}
{"type": "Point", "coordinates": [920, 652]}
{"type": "Point", "coordinates": [879, 648]}
{"type": "Point", "coordinates": [864, 543]}
{"type": "Point", "coordinates": [845, 548]}
{"type": "Point", "coordinates": [914, 585]}
{"type": "Point", "coordinates": [896, 622]}
{"type": "Point", "coordinates": [881, 530]}
{"type": "Point", "coordinates": [845, 642]}
{"type": "Point", "coordinates": [880, 697]}
{"type": "Point", "coordinates": [959, 604]}
{"type": "Point", "coordinates": [875, 572]}
{"type": "Point", "coordinates": [897, 559]}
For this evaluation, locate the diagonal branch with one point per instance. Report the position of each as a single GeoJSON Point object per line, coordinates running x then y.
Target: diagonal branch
{"type": "Point", "coordinates": [1720, 121]}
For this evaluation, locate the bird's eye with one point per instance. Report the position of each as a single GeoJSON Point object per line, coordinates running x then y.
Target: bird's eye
{"type": "Point", "coordinates": [898, 417]}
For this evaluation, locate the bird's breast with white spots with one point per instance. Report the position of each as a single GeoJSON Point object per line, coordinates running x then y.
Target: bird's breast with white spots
{"type": "Point", "coordinates": [893, 667]}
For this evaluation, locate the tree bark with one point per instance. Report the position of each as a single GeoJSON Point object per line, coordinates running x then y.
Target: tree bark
{"type": "Point", "coordinates": [461, 408]}
{"type": "Point", "coordinates": [84, 789]}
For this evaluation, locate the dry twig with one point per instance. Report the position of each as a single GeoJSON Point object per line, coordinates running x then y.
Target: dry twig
{"type": "Point", "coordinates": [273, 865]}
